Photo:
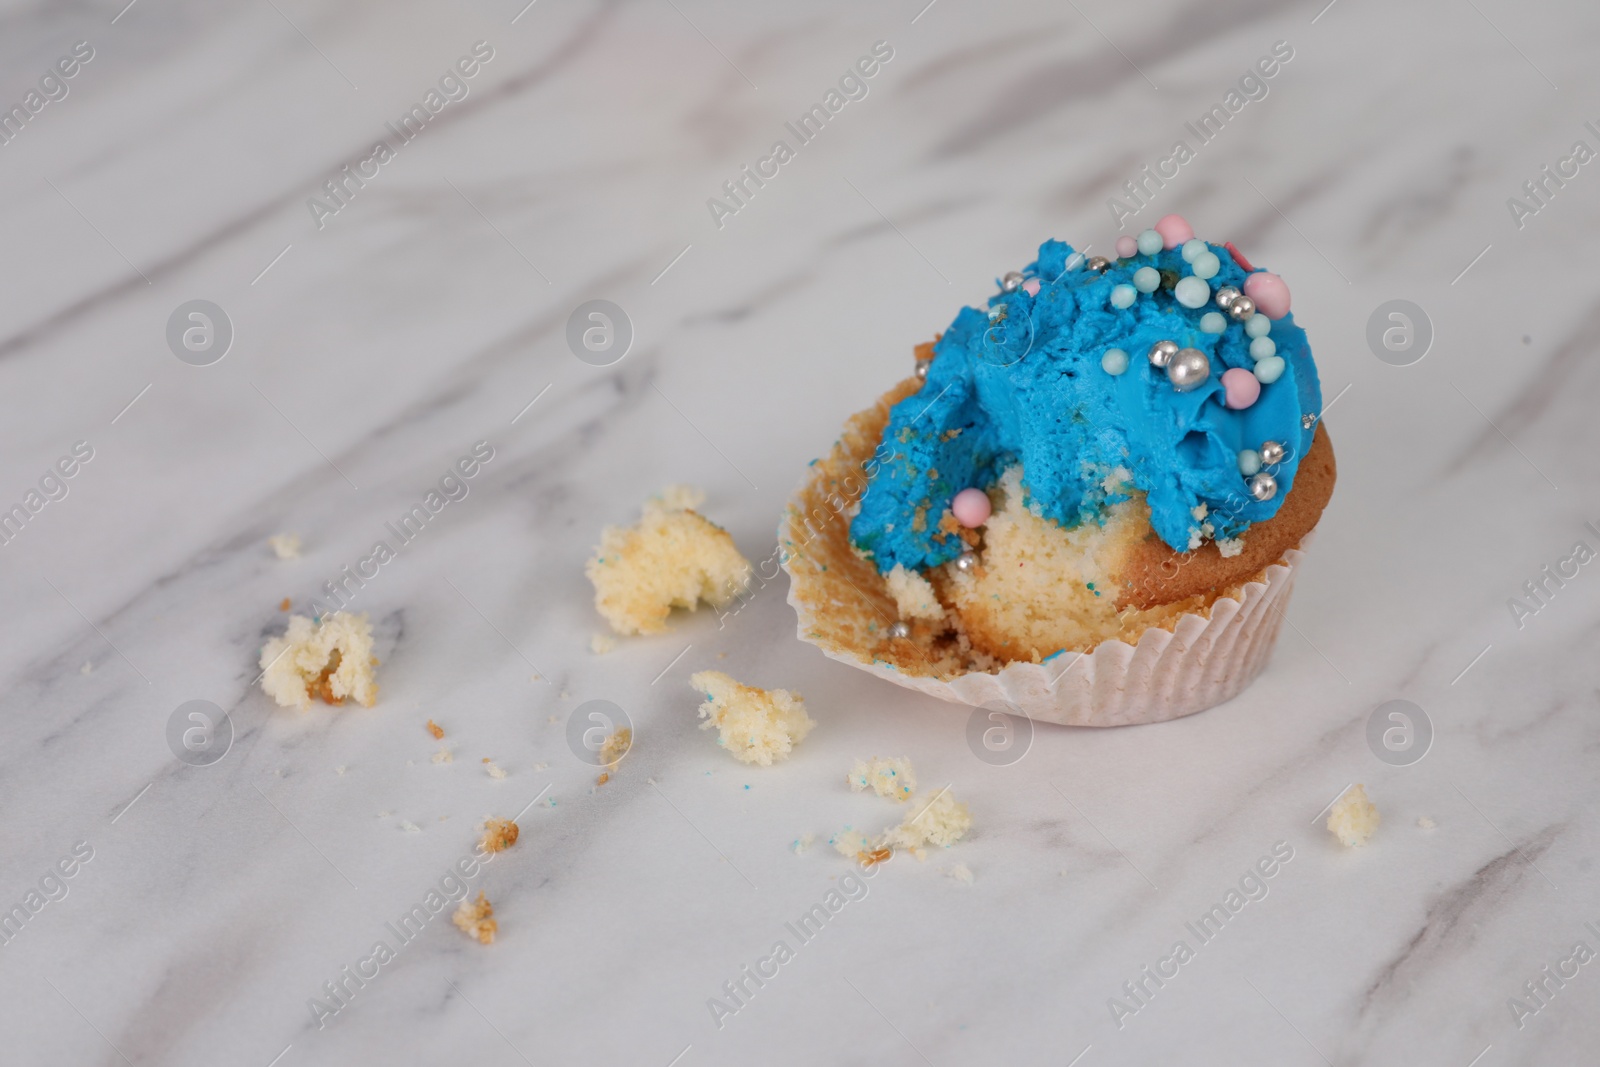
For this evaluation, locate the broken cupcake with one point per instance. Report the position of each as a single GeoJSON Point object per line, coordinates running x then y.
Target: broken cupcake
{"type": "Point", "coordinates": [1090, 499]}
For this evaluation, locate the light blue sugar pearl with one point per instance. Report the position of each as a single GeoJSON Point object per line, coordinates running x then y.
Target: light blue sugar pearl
{"type": "Point", "coordinates": [1257, 326]}
{"type": "Point", "coordinates": [1115, 361]}
{"type": "Point", "coordinates": [1123, 296]}
{"type": "Point", "coordinates": [1192, 249]}
{"type": "Point", "coordinates": [1213, 322]}
{"type": "Point", "coordinates": [1206, 265]}
{"type": "Point", "coordinates": [1269, 370]}
{"type": "Point", "coordinates": [1249, 461]}
{"type": "Point", "coordinates": [1147, 279]}
{"type": "Point", "coordinates": [1192, 292]}
{"type": "Point", "coordinates": [1150, 243]}
{"type": "Point", "coordinates": [1262, 348]}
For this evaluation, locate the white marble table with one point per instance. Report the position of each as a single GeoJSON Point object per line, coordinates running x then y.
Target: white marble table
{"type": "Point", "coordinates": [430, 310]}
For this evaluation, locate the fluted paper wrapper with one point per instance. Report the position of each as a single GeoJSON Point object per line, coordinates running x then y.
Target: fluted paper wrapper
{"type": "Point", "coordinates": [841, 601]}
{"type": "Point", "coordinates": [1198, 665]}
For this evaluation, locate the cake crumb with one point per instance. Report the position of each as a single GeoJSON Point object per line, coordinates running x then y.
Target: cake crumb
{"type": "Point", "coordinates": [618, 743]}
{"type": "Point", "coordinates": [87, 668]}
{"type": "Point", "coordinates": [848, 842]}
{"type": "Point", "coordinates": [600, 644]}
{"type": "Point", "coordinates": [960, 872]}
{"type": "Point", "coordinates": [1230, 546]}
{"type": "Point", "coordinates": [499, 835]}
{"type": "Point", "coordinates": [1353, 818]}
{"type": "Point", "coordinates": [492, 770]}
{"type": "Point", "coordinates": [1426, 822]}
{"type": "Point", "coordinates": [284, 604]}
{"type": "Point", "coordinates": [754, 725]}
{"type": "Point", "coordinates": [541, 766]}
{"type": "Point", "coordinates": [673, 557]}
{"type": "Point", "coordinates": [330, 658]}
{"type": "Point", "coordinates": [436, 730]}
{"type": "Point", "coordinates": [891, 777]}
{"type": "Point", "coordinates": [410, 827]}
{"type": "Point", "coordinates": [444, 755]}
{"type": "Point", "coordinates": [941, 821]}
{"type": "Point", "coordinates": [340, 769]}
{"type": "Point", "coordinates": [476, 919]}
{"type": "Point", "coordinates": [285, 545]}
{"type": "Point", "coordinates": [802, 844]}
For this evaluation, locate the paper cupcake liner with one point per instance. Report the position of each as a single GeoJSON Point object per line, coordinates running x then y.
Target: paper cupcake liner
{"type": "Point", "coordinates": [1202, 661]}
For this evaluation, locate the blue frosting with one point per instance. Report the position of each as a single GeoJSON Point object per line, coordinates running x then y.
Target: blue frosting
{"type": "Point", "coordinates": [1030, 389]}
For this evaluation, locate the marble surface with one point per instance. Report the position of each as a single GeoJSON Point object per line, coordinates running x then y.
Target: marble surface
{"type": "Point", "coordinates": [430, 312]}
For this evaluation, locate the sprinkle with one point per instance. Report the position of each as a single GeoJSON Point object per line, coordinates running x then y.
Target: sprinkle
{"type": "Point", "coordinates": [1269, 292]}
{"type": "Point", "coordinates": [1240, 388]}
{"type": "Point", "coordinates": [1257, 326]}
{"type": "Point", "coordinates": [1238, 256]}
{"type": "Point", "coordinates": [1213, 322]}
{"type": "Point", "coordinates": [1192, 249]}
{"type": "Point", "coordinates": [1262, 347]}
{"type": "Point", "coordinates": [1114, 362]}
{"type": "Point", "coordinates": [1269, 370]}
{"type": "Point", "coordinates": [1126, 246]}
{"type": "Point", "coordinates": [1249, 461]}
{"type": "Point", "coordinates": [1147, 279]}
{"type": "Point", "coordinates": [1123, 296]}
{"type": "Point", "coordinates": [1192, 292]}
{"type": "Point", "coordinates": [1150, 242]}
{"type": "Point", "coordinates": [1206, 265]}
{"type": "Point", "coordinates": [1174, 230]}
{"type": "Point", "coordinates": [1031, 287]}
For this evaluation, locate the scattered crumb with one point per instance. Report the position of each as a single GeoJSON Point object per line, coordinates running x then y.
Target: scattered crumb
{"type": "Point", "coordinates": [492, 770]}
{"type": "Point", "coordinates": [672, 557]}
{"type": "Point", "coordinates": [891, 778]}
{"type": "Point", "coordinates": [1353, 818]}
{"type": "Point", "coordinates": [565, 695]}
{"type": "Point", "coordinates": [476, 919]}
{"type": "Point", "coordinates": [802, 844]}
{"type": "Point", "coordinates": [873, 857]}
{"type": "Point", "coordinates": [600, 644]}
{"type": "Point", "coordinates": [284, 604]}
{"type": "Point", "coordinates": [535, 678]}
{"type": "Point", "coordinates": [87, 668]}
{"type": "Point", "coordinates": [330, 658]}
{"type": "Point", "coordinates": [285, 545]}
{"type": "Point", "coordinates": [618, 743]}
{"type": "Point", "coordinates": [553, 719]}
{"type": "Point", "coordinates": [499, 835]}
{"type": "Point", "coordinates": [541, 766]}
{"type": "Point", "coordinates": [605, 776]}
{"type": "Point", "coordinates": [444, 755]}
{"type": "Point", "coordinates": [960, 872]}
{"type": "Point", "coordinates": [848, 842]}
{"type": "Point", "coordinates": [410, 827]}
{"type": "Point", "coordinates": [942, 821]}
{"type": "Point", "coordinates": [755, 725]}
{"type": "Point", "coordinates": [1425, 822]}
{"type": "Point", "coordinates": [435, 729]}
{"type": "Point", "coordinates": [1229, 547]}
{"type": "Point", "coordinates": [340, 769]}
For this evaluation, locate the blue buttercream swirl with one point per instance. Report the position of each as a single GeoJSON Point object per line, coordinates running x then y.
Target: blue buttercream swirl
{"type": "Point", "coordinates": [1029, 389]}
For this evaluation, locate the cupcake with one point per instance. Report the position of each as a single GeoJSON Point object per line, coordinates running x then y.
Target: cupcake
{"type": "Point", "coordinates": [1089, 501]}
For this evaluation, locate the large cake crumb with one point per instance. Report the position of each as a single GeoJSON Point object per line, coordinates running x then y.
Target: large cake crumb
{"type": "Point", "coordinates": [755, 725]}
{"type": "Point", "coordinates": [499, 835]}
{"type": "Point", "coordinates": [330, 658]}
{"type": "Point", "coordinates": [672, 557]}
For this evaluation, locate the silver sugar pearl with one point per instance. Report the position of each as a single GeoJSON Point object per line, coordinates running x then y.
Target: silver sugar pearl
{"type": "Point", "coordinates": [1188, 370]}
{"type": "Point", "coordinates": [1263, 486]}
{"type": "Point", "coordinates": [922, 369]}
{"type": "Point", "coordinates": [1307, 421]}
{"type": "Point", "coordinates": [1241, 307]}
{"type": "Point", "coordinates": [1098, 264]}
{"type": "Point", "coordinates": [902, 629]}
{"type": "Point", "coordinates": [1161, 353]}
{"type": "Point", "coordinates": [1271, 452]}
{"type": "Point", "coordinates": [1227, 295]}
{"type": "Point", "coordinates": [1011, 282]}
{"type": "Point", "coordinates": [966, 561]}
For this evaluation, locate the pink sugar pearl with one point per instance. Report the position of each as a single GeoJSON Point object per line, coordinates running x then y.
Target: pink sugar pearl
{"type": "Point", "coordinates": [1240, 387]}
{"type": "Point", "coordinates": [971, 506]}
{"type": "Point", "coordinates": [1126, 246]}
{"type": "Point", "coordinates": [1269, 292]}
{"type": "Point", "coordinates": [1031, 287]}
{"type": "Point", "coordinates": [1174, 230]}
